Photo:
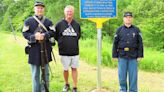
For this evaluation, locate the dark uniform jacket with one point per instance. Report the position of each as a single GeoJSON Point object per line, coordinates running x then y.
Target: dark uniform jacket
{"type": "Point", "coordinates": [29, 30]}
{"type": "Point", "coordinates": [68, 37]}
{"type": "Point", "coordinates": [127, 43]}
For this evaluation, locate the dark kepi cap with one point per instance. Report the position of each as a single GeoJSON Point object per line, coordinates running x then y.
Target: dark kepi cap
{"type": "Point", "coordinates": [128, 14]}
{"type": "Point", "coordinates": [38, 3]}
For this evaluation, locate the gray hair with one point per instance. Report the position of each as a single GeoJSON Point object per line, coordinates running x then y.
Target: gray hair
{"type": "Point", "coordinates": [69, 7]}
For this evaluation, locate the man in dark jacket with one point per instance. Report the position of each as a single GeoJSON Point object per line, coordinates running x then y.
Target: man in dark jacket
{"type": "Point", "coordinates": [67, 34]}
{"type": "Point", "coordinates": [128, 49]}
{"type": "Point", "coordinates": [35, 34]}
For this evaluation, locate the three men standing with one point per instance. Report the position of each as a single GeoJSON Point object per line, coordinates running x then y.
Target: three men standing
{"type": "Point", "coordinates": [128, 50]}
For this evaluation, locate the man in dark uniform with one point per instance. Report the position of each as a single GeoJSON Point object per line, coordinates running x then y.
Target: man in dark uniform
{"type": "Point", "coordinates": [68, 34]}
{"type": "Point", "coordinates": [35, 33]}
{"type": "Point", "coordinates": [128, 49]}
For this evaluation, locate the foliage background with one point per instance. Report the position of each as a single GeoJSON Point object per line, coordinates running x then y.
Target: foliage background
{"type": "Point", "coordinates": [148, 16]}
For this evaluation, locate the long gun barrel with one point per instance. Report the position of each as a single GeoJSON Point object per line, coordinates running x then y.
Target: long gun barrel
{"type": "Point", "coordinates": [43, 60]}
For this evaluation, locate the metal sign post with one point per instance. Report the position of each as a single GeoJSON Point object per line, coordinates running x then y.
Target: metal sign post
{"type": "Point", "coordinates": [99, 44]}
{"type": "Point", "coordinates": [98, 11]}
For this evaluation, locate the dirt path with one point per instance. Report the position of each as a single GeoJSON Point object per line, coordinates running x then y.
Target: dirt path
{"type": "Point", "coordinates": [147, 82]}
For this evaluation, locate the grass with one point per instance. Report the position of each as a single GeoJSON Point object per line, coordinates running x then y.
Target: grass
{"type": "Point", "coordinates": [15, 74]}
{"type": "Point", "coordinates": [88, 52]}
{"type": "Point", "coordinates": [153, 60]}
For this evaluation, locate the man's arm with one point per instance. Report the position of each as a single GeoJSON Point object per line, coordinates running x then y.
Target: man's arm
{"type": "Point", "coordinates": [51, 30]}
{"type": "Point", "coordinates": [115, 45]}
{"type": "Point", "coordinates": [79, 32]}
{"type": "Point", "coordinates": [140, 46]}
{"type": "Point", "coordinates": [27, 34]}
{"type": "Point", "coordinates": [56, 31]}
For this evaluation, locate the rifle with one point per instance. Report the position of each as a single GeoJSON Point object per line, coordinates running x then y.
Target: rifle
{"type": "Point", "coordinates": [41, 24]}
{"type": "Point", "coordinates": [43, 60]}
{"type": "Point", "coordinates": [44, 56]}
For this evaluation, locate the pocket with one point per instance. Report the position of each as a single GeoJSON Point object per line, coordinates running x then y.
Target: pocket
{"type": "Point", "coordinates": [133, 54]}
{"type": "Point", "coordinates": [121, 53]}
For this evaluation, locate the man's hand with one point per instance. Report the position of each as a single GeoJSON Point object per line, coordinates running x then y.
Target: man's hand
{"type": "Point", "coordinates": [39, 36]}
{"type": "Point", "coordinates": [114, 59]}
{"type": "Point", "coordinates": [42, 36]}
{"type": "Point", "coordinates": [139, 59]}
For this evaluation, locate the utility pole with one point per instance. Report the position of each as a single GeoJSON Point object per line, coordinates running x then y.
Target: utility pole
{"type": "Point", "coordinates": [12, 28]}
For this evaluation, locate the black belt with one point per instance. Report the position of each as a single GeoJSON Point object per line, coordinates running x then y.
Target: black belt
{"type": "Point", "coordinates": [127, 49]}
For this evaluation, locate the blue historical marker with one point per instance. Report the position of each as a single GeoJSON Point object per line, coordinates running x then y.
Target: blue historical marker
{"type": "Point", "coordinates": [98, 8]}
{"type": "Point", "coordinates": [98, 11]}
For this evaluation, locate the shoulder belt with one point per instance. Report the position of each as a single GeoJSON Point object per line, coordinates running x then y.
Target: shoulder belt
{"type": "Point", "coordinates": [40, 23]}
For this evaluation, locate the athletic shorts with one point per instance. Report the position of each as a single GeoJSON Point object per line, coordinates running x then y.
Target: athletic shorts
{"type": "Point", "coordinates": [68, 61]}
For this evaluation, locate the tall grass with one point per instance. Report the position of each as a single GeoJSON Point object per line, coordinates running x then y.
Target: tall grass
{"type": "Point", "coordinates": [153, 60]}
{"type": "Point", "coordinates": [88, 52]}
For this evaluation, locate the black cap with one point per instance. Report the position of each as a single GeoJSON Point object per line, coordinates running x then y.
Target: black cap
{"type": "Point", "coordinates": [38, 3]}
{"type": "Point", "coordinates": [128, 14]}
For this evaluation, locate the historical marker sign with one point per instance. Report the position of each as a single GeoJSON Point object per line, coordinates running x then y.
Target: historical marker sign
{"type": "Point", "coordinates": [98, 11]}
{"type": "Point", "coordinates": [98, 8]}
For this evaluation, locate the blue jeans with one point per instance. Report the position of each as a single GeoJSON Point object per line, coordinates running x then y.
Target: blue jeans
{"type": "Point", "coordinates": [128, 66]}
{"type": "Point", "coordinates": [37, 86]}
